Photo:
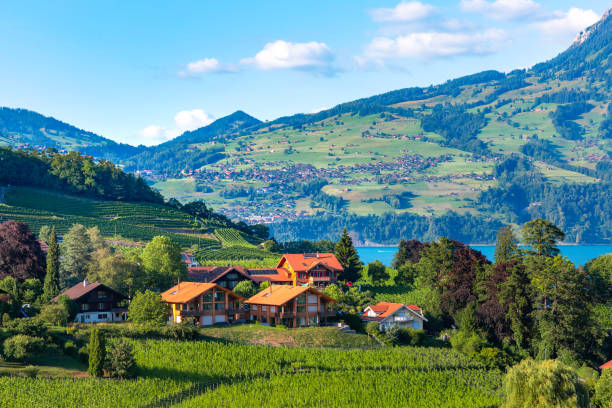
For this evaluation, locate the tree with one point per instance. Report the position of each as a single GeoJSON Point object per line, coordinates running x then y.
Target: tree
{"type": "Point", "coordinates": [20, 253]}
{"type": "Point", "coordinates": [603, 389]}
{"type": "Point", "coordinates": [76, 251]}
{"type": "Point", "coordinates": [51, 287]}
{"type": "Point", "coordinates": [148, 307]}
{"type": "Point", "coordinates": [45, 234]}
{"type": "Point", "coordinates": [120, 362]}
{"type": "Point", "coordinates": [377, 272]}
{"type": "Point", "coordinates": [245, 289]}
{"type": "Point", "coordinates": [197, 209]}
{"type": "Point", "coordinates": [407, 251]}
{"type": "Point", "coordinates": [543, 384]}
{"type": "Point", "coordinates": [506, 247]}
{"type": "Point", "coordinates": [515, 293]}
{"type": "Point", "coordinates": [119, 270]}
{"type": "Point", "coordinates": [406, 274]}
{"type": "Point", "coordinates": [348, 258]}
{"type": "Point", "coordinates": [333, 291]}
{"type": "Point", "coordinates": [599, 271]}
{"type": "Point", "coordinates": [162, 263]}
{"type": "Point", "coordinates": [264, 285]}
{"type": "Point", "coordinates": [55, 315]}
{"type": "Point", "coordinates": [23, 347]}
{"type": "Point", "coordinates": [542, 236]}
{"type": "Point", "coordinates": [69, 305]}
{"type": "Point", "coordinates": [97, 354]}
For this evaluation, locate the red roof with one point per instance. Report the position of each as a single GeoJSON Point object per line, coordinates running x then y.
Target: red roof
{"type": "Point", "coordinates": [386, 309]}
{"type": "Point", "coordinates": [305, 262]}
{"type": "Point", "coordinates": [607, 365]}
{"type": "Point", "coordinates": [82, 288]}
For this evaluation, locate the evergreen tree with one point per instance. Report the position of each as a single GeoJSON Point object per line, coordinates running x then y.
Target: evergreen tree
{"type": "Point", "coordinates": [76, 251]}
{"type": "Point", "coordinates": [542, 236]}
{"type": "Point", "coordinates": [515, 293]}
{"type": "Point", "coordinates": [97, 354]}
{"type": "Point", "coordinates": [52, 279]}
{"type": "Point", "coordinates": [120, 362]}
{"type": "Point", "coordinates": [348, 258]}
{"type": "Point", "coordinates": [506, 247]}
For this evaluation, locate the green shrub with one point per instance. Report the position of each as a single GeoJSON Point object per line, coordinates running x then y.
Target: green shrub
{"type": "Point", "coordinates": [372, 328]}
{"type": "Point", "coordinates": [70, 348]}
{"type": "Point", "coordinates": [30, 371]}
{"type": "Point", "coordinates": [603, 389]}
{"type": "Point", "coordinates": [83, 354]}
{"type": "Point", "coordinates": [29, 327]}
{"type": "Point", "coordinates": [493, 357]}
{"type": "Point", "coordinates": [22, 347]}
{"type": "Point", "coordinates": [412, 337]}
{"type": "Point", "coordinates": [467, 343]}
{"type": "Point", "coordinates": [120, 362]}
{"type": "Point", "coordinates": [182, 331]}
{"type": "Point", "coordinates": [55, 315]}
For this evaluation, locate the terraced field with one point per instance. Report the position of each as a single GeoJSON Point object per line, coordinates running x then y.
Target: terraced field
{"type": "Point", "coordinates": [135, 221]}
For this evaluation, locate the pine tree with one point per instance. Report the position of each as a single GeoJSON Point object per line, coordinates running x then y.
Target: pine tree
{"type": "Point", "coordinates": [52, 282]}
{"type": "Point", "coordinates": [97, 354]}
{"type": "Point", "coordinates": [506, 247]}
{"type": "Point", "coordinates": [348, 258]}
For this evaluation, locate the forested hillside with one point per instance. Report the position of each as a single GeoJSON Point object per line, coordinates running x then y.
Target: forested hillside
{"type": "Point", "coordinates": [415, 157]}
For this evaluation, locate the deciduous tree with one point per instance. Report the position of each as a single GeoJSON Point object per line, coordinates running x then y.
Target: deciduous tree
{"type": "Point", "coordinates": [162, 263]}
{"type": "Point", "coordinates": [148, 307]}
{"type": "Point", "coordinates": [20, 253]}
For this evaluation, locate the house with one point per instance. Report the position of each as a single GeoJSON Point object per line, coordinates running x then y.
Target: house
{"type": "Point", "coordinates": [607, 365]}
{"type": "Point", "coordinates": [318, 269]}
{"type": "Point", "coordinates": [209, 303]}
{"type": "Point", "coordinates": [189, 259]}
{"type": "Point", "coordinates": [394, 314]}
{"type": "Point", "coordinates": [97, 303]}
{"type": "Point", "coordinates": [292, 306]}
{"type": "Point", "coordinates": [224, 276]}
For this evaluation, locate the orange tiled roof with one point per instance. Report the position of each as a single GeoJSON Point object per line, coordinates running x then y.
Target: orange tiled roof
{"type": "Point", "coordinates": [305, 262]}
{"type": "Point", "coordinates": [607, 365]}
{"type": "Point", "coordinates": [186, 291]}
{"type": "Point", "coordinates": [277, 295]}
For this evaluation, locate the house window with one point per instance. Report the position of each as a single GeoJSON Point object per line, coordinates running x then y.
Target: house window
{"type": "Point", "coordinates": [301, 300]}
{"type": "Point", "coordinates": [223, 284]}
{"type": "Point", "coordinates": [272, 309]}
{"type": "Point", "coordinates": [102, 316]}
{"type": "Point", "coordinates": [232, 276]}
{"type": "Point", "coordinates": [219, 296]}
{"type": "Point", "coordinates": [85, 307]}
{"type": "Point", "coordinates": [254, 307]}
{"type": "Point", "coordinates": [207, 297]}
{"type": "Point", "coordinates": [264, 308]}
{"type": "Point", "coordinates": [219, 306]}
{"type": "Point", "coordinates": [301, 321]}
{"type": "Point", "coordinates": [301, 309]}
{"type": "Point", "coordinates": [312, 308]}
{"type": "Point", "coordinates": [312, 299]}
{"type": "Point", "coordinates": [101, 306]}
{"type": "Point", "coordinates": [206, 306]}
{"type": "Point", "coordinates": [101, 294]}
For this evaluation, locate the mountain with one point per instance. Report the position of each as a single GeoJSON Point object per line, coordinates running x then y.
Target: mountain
{"type": "Point", "coordinates": [184, 153]}
{"type": "Point", "coordinates": [27, 129]}
{"type": "Point", "coordinates": [463, 157]}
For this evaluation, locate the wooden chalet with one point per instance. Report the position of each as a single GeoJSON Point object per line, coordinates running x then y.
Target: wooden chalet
{"type": "Point", "coordinates": [292, 306]}
{"type": "Point", "coordinates": [97, 303]}
{"type": "Point", "coordinates": [208, 303]}
{"type": "Point", "coordinates": [318, 269]}
{"type": "Point", "coordinates": [389, 314]}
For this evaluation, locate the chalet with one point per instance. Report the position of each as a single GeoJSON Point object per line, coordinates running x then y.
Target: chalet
{"type": "Point", "coordinates": [208, 303]}
{"type": "Point", "coordinates": [292, 306]}
{"type": "Point", "coordinates": [394, 314]}
{"type": "Point", "coordinates": [225, 276]}
{"type": "Point", "coordinates": [318, 269]}
{"type": "Point", "coordinates": [97, 303]}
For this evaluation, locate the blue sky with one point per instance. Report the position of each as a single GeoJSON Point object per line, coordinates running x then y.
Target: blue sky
{"type": "Point", "coordinates": [143, 72]}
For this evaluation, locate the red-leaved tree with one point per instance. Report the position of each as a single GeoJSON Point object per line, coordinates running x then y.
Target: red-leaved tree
{"type": "Point", "coordinates": [20, 253]}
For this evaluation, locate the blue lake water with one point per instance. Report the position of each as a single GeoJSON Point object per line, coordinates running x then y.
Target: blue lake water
{"type": "Point", "coordinates": [578, 254]}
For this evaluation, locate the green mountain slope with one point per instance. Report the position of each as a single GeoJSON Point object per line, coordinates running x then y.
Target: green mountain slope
{"type": "Point", "coordinates": [427, 151]}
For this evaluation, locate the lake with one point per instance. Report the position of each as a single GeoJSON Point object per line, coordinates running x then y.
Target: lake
{"type": "Point", "coordinates": [578, 254]}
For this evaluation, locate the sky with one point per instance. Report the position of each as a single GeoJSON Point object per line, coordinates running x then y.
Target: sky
{"type": "Point", "coordinates": [144, 72]}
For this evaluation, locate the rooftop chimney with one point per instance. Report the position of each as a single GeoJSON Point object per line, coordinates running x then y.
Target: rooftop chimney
{"type": "Point", "coordinates": [85, 282]}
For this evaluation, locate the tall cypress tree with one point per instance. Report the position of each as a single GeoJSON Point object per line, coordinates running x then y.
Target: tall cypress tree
{"type": "Point", "coordinates": [97, 354]}
{"type": "Point", "coordinates": [348, 258]}
{"type": "Point", "coordinates": [51, 287]}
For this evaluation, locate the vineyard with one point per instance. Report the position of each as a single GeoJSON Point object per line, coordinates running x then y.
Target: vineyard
{"type": "Point", "coordinates": [399, 294]}
{"type": "Point", "coordinates": [230, 237]}
{"type": "Point", "coordinates": [136, 221]}
{"type": "Point", "coordinates": [174, 373]}
{"type": "Point", "coordinates": [234, 253]}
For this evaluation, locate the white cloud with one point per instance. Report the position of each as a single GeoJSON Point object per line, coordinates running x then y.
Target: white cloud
{"type": "Point", "coordinates": [568, 24]}
{"type": "Point", "coordinates": [183, 121]}
{"type": "Point", "coordinates": [207, 66]}
{"type": "Point", "coordinates": [431, 45]}
{"type": "Point", "coordinates": [503, 9]}
{"type": "Point", "coordinates": [315, 56]}
{"type": "Point", "coordinates": [192, 119]}
{"type": "Point", "coordinates": [403, 12]}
